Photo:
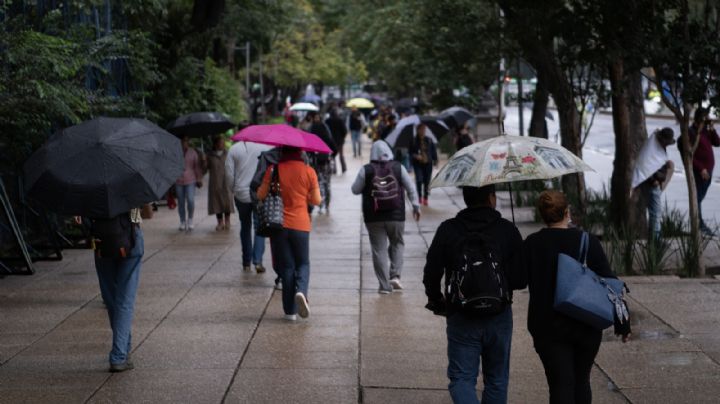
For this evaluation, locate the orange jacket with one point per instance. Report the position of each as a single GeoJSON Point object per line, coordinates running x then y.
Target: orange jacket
{"type": "Point", "coordinates": [298, 188]}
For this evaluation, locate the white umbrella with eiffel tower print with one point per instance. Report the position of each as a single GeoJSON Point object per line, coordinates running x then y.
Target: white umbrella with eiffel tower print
{"type": "Point", "coordinates": [507, 159]}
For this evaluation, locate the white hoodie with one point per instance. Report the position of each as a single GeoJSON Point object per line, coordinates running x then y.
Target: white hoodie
{"type": "Point", "coordinates": [240, 168]}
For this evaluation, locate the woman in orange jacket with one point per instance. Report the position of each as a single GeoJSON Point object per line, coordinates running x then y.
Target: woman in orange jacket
{"type": "Point", "coordinates": [291, 247]}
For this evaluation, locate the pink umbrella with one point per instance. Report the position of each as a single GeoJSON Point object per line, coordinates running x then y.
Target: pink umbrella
{"type": "Point", "coordinates": [282, 135]}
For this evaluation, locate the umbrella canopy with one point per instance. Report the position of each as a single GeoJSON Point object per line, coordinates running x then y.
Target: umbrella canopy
{"type": "Point", "coordinates": [405, 130]}
{"type": "Point", "coordinates": [104, 167]}
{"type": "Point", "coordinates": [314, 98]}
{"type": "Point", "coordinates": [506, 159]}
{"type": "Point", "coordinates": [362, 103]}
{"type": "Point", "coordinates": [282, 135]}
{"type": "Point", "coordinates": [304, 106]}
{"type": "Point", "coordinates": [456, 116]}
{"type": "Point", "coordinates": [199, 124]}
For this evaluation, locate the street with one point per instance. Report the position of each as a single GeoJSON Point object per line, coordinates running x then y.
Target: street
{"type": "Point", "coordinates": [599, 153]}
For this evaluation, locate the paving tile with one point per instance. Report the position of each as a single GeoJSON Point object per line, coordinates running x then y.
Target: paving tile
{"type": "Point", "coordinates": [165, 386]}
{"type": "Point", "coordinates": [425, 396]}
{"type": "Point", "coordinates": [296, 386]}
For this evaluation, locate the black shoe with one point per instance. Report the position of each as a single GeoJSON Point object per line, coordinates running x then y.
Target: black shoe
{"type": "Point", "coordinates": [121, 367]}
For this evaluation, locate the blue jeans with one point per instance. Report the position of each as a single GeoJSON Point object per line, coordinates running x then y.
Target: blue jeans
{"type": "Point", "coordinates": [653, 194]}
{"type": "Point", "coordinates": [251, 248]}
{"type": "Point", "coordinates": [119, 279]}
{"type": "Point", "coordinates": [291, 250]}
{"type": "Point", "coordinates": [469, 340]}
{"type": "Point", "coordinates": [355, 138]}
{"type": "Point", "coordinates": [702, 189]}
{"type": "Point", "coordinates": [185, 194]}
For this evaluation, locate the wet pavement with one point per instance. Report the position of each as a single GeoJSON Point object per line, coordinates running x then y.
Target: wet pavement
{"type": "Point", "coordinates": [207, 332]}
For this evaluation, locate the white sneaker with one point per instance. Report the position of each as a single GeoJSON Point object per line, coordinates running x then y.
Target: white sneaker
{"type": "Point", "coordinates": [384, 292]}
{"type": "Point", "coordinates": [190, 225]}
{"type": "Point", "coordinates": [303, 308]}
{"type": "Point", "coordinates": [395, 283]}
{"type": "Point", "coordinates": [182, 226]}
{"type": "Point", "coordinates": [290, 317]}
{"type": "Point", "coordinates": [278, 284]}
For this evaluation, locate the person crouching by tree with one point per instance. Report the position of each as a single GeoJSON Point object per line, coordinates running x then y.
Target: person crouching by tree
{"type": "Point", "coordinates": [653, 171]}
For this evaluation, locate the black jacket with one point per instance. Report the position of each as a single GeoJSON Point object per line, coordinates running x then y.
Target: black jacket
{"type": "Point", "coordinates": [540, 257]}
{"type": "Point", "coordinates": [487, 221]}
{"type": "Point", "coordinates": [337, 129]}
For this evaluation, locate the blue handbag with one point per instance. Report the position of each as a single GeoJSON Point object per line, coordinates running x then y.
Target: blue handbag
{"type": "Point", "coordinates": [583, 295]}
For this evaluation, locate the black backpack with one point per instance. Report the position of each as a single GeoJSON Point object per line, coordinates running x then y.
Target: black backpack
{"type": "Point", "coordinates": [385, 191]}
{"type": "Point", "coordinates": [113, 238]}
{"type": "Point", "coordinates": [477, 284]}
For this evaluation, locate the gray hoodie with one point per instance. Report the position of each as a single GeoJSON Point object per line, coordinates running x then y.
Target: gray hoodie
{"type": "Point", "coordinates": [240, 167]}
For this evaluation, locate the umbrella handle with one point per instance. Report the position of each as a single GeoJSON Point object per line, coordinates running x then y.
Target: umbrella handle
{"type": "Point", "coordinates": [512, 209]}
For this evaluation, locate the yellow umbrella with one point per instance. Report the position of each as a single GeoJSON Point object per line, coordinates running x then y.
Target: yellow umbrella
{"type": "Point", "coordinates": [360, 103]}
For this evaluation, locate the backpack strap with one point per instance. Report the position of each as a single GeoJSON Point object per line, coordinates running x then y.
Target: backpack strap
{"type": "Point", "coordinates": [584, 245]}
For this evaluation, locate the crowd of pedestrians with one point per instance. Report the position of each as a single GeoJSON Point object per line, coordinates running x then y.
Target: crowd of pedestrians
{"type": "Point", "coordinates": [479, 340]}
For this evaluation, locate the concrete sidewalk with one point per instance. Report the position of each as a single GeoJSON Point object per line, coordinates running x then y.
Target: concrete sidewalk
{"type": "Point", "coordinates": [205, 331]}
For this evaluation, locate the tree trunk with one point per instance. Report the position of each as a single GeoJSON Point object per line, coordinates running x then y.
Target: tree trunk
{"type": "Point", "coordinates": [538, 122]}
{"type": "Point", "coordinates": [629, 126]}
{"type": "Point", "coordinates": [687, 158]}
{"type": "Point", "coordinates": [206, 13]}
{"type": "Point", "coordinates": [230, 44]}
{"type": "Point", "coordinates": [573, 184]}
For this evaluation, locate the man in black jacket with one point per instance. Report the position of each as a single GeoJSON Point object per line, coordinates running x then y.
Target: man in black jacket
{"type": "Point", "coordinates": [322, 162]}
{"type": "Point", "coordinates": [473, 337]}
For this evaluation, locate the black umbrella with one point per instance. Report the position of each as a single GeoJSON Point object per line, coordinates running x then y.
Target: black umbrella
{"type": "Point", "coordinates": [199, 124]}
{"type": "Point", "coordinates": [404, 133]}
{"type": "Point", "coordinates": [104, 167]}
{"type": "Point", "coordinates": [456, 116]}
{"type": "Point", "coordinates": [438, 127]}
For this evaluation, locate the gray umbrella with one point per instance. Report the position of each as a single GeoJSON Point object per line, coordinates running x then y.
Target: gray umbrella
{"type": "Point", "coordinates": [104, 167]}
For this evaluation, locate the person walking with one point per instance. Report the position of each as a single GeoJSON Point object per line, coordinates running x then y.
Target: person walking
{"type": "Point", "coordinates": [653, 171]}
{"type": "Point", "coordinates": [566, 347]}
{"type": "Point", "coordinates": [356, 124]}
{"type": "Point", "coordinates": [424, 156]}
{"type": "Point", "coordinates": [322, 162]}
{"type": "Point", "coordinates": [291, 246]}
{"type": "Point", "coordinates": [462, 138]}
{"type": "Point", "coordinates": [185, 185]}
{"type": "Point", "coordinates": [382, 183]}
{"type": "Point", "coordinates": [119, 275]}
{"type": "Point", "coordinates": [339, 132]}
{"type": "Point", "coordinates": [220, 199]}
{"type": "Point", "coordinates": [479, 334]}
{"type": "Point", "coordinates": [240, 167]}
{"type": "Point", "coordinates": [703, 158]}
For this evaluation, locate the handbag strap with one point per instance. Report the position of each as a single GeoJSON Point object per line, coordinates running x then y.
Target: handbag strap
{"type": "Point", "coordinates": [275, 180]}
{"type": "Point", "coordinates": [584, 242]}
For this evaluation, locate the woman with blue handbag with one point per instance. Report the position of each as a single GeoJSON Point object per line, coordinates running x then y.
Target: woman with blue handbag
{"type": "Point", "coordinates": [567, 346]}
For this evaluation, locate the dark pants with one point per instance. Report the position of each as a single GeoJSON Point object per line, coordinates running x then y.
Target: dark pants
{"type": "Point", "coordinates": [702, 189]}
{"type": "Point", "coordinates": [341, 156]}
{"type": "Point", "coordinates": [568, 362]}
{"type": "Point", "coordinates": [469, 341]}
{"type": "Point", "coordinates": [423, 175]}
{"type": "Point", "coordinates": [291, 252]}
{"type": "Point", "coordinates": [252, 249]}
